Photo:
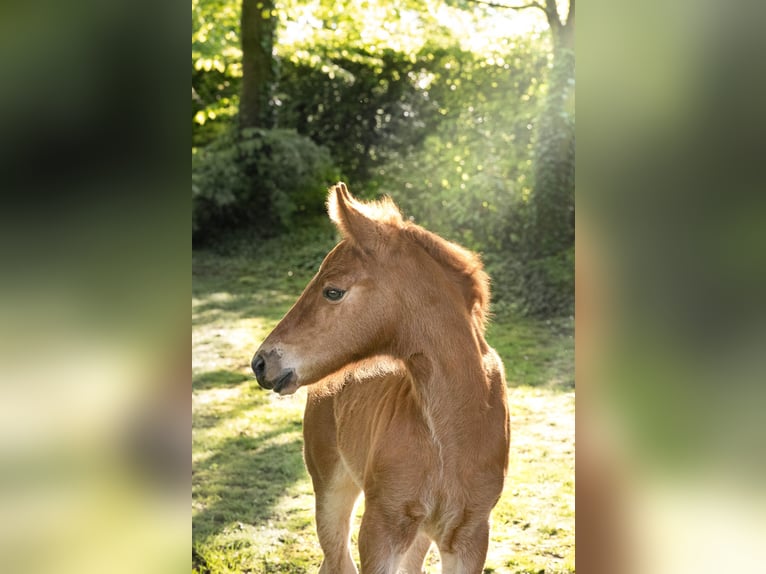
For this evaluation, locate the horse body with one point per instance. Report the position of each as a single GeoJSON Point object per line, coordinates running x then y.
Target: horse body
{"type": "Point", "coordinates": [413, 407]}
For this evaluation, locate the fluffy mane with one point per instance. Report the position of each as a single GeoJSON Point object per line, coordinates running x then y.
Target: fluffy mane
{"type": "Point", "coordinates": [343, 208]}
{"type": "Point", "coordinates": [465, 266]}
{"type": "Point", "coordinates": [372, 225]}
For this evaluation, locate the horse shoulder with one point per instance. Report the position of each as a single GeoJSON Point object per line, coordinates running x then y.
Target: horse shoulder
{"type": "Point", "coordinates": [320, 450]}
{"type": "Point", "coordinates": [382, 433]}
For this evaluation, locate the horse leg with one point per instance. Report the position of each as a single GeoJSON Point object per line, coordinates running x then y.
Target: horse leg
{"type": "Point", "coordinates": [335, 491]}
{"type": "Point", "coordinates": [335, 502]}
{"type": "Point", "coordinates": [471, 554]}
{"type": "Point", "coordinates": [384, 538]}
{"type": "Point", "coordinates": [416, 554]}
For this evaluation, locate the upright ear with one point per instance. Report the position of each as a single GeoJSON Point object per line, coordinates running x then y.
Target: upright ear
{"type": "Point", "coordinates": [368, 225]}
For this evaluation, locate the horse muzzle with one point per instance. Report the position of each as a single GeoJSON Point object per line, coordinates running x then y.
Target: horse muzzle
{"type": "Point", "coordinates": [270, 374]}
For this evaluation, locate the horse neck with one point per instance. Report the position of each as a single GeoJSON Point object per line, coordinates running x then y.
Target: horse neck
{"type": "Point", "coordinates": [447, 369]}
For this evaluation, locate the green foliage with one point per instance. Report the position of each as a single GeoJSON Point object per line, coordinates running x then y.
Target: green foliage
{"type": "Point", "coordinates": [468, 127]}
{"type": "Point", "coordinates": [216, 67]}
{"type": "Point", "coordinates": [554, 160]}
{"type": "Point", "coordinates": [471, 179]}
{"type": "Point", "coordinates": [257, 179]}
{"type": "Point", "coordinates": [548, 286]}
{"type": "Point", "coordinates": [363, 107]}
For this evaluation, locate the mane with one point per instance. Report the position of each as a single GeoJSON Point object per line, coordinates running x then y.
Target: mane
{"type": "Point", "coordinates": [383, 210]}
{"type": "Point", "coordinates": [373, 224]}
{"type": "Point", "coordinates": [464, 265]}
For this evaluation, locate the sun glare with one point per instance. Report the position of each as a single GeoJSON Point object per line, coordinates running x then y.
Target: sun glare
{"type": "Point", "coordinates": [378, 24]}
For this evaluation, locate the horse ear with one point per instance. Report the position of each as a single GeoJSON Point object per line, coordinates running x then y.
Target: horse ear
{"type": "Point", "coordinates": [349, 217]}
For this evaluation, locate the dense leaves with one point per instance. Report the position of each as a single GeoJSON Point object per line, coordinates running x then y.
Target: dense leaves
{"type": "Point", "coordinates": [363, 107]}
{"type": "Point", "coordinates": [264, 180]}
{"type": "Point", "coordinates": [469, 129]}
{"type": "Point", "coordinates": [548, 277]}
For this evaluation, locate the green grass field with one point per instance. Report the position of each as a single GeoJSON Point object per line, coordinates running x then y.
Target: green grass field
{"type": "Point", "coordinates": [252, 502]}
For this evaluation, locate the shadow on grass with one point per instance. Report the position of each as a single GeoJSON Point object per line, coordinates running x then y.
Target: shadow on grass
{"type": "Point", "coordinates": [253, 398]}
{"type": "Point", "coordinates": [228, 289]}
{"type": "Point", "coordinates": [237, 481]}
{"type": "Point", "coordinates": [244, 304]}
{"type": "Point", "coordinates": [245, 478]}
{"type": "Point", "coordinates": [218, 379]}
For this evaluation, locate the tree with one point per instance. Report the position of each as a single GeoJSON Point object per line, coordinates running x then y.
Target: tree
{"type": "Point", "coordinates": [484, 132]}
{"type": "Point", "coordinates": [554, 167]}
{"type": "Point", "coordinates": [257, 29]}
{"type": "Point", "coordinates": [549, 270]}
{"type": "Point", "coordinates": [548, 242]}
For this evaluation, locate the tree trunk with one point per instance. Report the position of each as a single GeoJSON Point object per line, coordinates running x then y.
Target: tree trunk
{"type": "Point", "coordinates": [257, 30]}
{"type": "Point", "coordinates": [549, 249]}
{"type": "Point", "coordinates": [554, 160]}
{"type": "Point", "coordinates": [554, 167]}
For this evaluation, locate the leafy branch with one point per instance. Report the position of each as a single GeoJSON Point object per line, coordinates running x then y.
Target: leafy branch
{"type": "Point", "coordinates": [558, 27]}
{"type": "Point", "coordinates": [510, 7]}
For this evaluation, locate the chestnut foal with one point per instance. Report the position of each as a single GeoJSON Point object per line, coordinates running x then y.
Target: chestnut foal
{"type": "Point", "coordinates": [413, 410]}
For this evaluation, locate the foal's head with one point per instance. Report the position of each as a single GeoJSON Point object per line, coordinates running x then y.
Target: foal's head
{"type": "Point", "coordinates": [376, 292]}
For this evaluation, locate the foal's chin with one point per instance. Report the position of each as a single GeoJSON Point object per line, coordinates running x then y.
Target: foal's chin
{"type": "Point", "coordinates": [291, 385]}
{"type": "Point", "coordinates": [288, 389]}
{"type": "Point", "coordinates": [296, 383]}
{"type": "Point", "coordinates": [287, 384]}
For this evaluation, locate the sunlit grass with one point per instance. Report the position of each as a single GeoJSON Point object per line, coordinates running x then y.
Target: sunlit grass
{"type": "Point", "coordinates": [252, 502]}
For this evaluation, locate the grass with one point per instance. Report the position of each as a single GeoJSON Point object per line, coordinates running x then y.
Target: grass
{"type": "Point", "coordinates": [252, 502]}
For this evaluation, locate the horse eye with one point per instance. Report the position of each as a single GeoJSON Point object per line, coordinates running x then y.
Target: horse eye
{"type": "Point", "coordinates": [333, 294]}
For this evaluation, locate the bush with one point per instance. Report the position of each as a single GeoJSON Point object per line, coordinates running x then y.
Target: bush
{"type": "Point", "coordinates": [363, 107]}
{"type": "Point", "coordinates": [548, 285]}
{"type": "Point", "coordinates": [257, 179]}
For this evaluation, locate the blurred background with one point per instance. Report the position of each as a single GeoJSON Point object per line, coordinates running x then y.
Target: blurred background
{"type": "Point", "coordinates": [671, 321]}
{"type": "Point", "coordinates": [94, 287]}
{"type": "Point", "coordinates": [95, 226]}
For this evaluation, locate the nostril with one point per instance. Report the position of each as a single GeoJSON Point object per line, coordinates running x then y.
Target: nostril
{"type": "Point", "coordinates": [258, 365]}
